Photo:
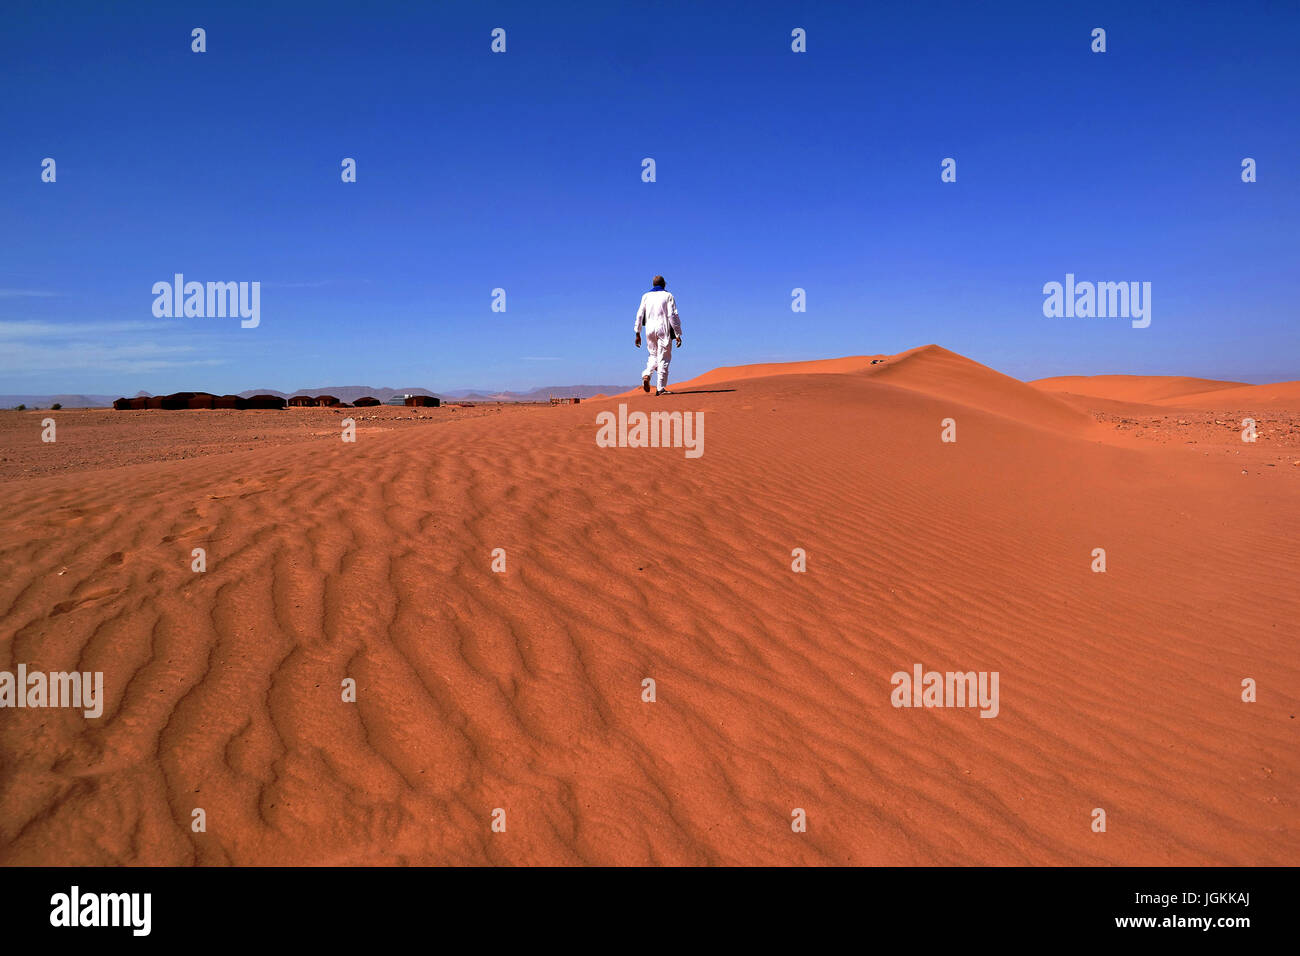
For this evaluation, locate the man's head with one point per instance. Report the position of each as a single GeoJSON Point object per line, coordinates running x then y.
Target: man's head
{"type": "Point", "coordinates": [657, 282]}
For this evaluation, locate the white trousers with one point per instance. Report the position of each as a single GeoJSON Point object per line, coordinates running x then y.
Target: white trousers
{"type": "Point", "coordinates": [660, 346]}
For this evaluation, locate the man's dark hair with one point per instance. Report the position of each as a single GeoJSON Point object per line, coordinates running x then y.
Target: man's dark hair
{"type": "Point", "coordinates": [657, 282]}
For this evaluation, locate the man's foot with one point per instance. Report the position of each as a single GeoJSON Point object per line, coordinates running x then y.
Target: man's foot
{"type": "Point", "coordinates": [661, 391]}
{"type": "Point", "coordinates": [645, 382]}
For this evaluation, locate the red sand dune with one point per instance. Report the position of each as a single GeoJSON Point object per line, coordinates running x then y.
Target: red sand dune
{"type": "Point", "coordinates": [929, 369]}
{"type": "Point", "coordinates": [943, 374]}
{"type": "Point", "coordinates": [1122, 393]}
{"type": "Point", "coordinates": [738, 373]}
{"type": "Point", "coordinates": [522, 690]}
{"type": "Point", "coordinates": [1131, 388]}
{"type": "Point", "coordinates": [1279, 394]}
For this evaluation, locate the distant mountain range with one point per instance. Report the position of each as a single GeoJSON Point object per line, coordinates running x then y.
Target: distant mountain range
{"type": "Point", "coordinates": [536, 394]}
{"type": "Point", "coordinates": [350, 393]}
{"type": "Point", "coordinates": [67, 401]}
{"type": "Point", "coordinates": [344, 393]}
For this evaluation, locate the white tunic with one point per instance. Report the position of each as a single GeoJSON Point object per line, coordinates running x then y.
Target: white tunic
{"type": "Point", "coordinates": [658, 313]}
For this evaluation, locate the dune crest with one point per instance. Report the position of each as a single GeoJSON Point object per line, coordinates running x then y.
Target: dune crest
{"type": "Point", "coordinates": [938, 372]}
{"type": "Point", "coordinates": [739, 373]}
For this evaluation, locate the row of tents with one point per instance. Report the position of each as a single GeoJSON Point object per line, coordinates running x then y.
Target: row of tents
{"type": "Point", "coordinates": [208, 400]}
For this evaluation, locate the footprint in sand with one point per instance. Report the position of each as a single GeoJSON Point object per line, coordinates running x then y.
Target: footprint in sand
{"type": "Point", "coordinates": [187, 533]}
{"type": "Point", "coordinates": [63, 607]}
{"type": "Point", "coordinates": [77, 516]}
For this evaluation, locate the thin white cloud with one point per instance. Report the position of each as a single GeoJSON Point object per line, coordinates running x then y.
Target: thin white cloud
{"type": "Point", "coordinates": [16, 329]}
{"type": "Point", "coordinates": [22, 359]}
{"type": "Point", "coordinates": [34, 347]}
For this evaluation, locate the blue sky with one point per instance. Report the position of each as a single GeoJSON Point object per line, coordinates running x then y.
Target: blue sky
{"type": "Point", "coordinates": [522, 170]}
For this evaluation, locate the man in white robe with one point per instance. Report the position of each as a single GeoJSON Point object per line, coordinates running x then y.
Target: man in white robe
{"type": "Point", "coordinates": [658, 316]}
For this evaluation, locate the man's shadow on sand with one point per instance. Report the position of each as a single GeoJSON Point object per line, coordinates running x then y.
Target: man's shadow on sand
{"type": "Point", "coordinates": [704, 391]}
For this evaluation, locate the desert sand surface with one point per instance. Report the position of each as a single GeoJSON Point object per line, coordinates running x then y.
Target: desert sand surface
{"type": "Point", "coordinates": [522, 690]}
{"type": "Point", "coordinates": [108, 440]}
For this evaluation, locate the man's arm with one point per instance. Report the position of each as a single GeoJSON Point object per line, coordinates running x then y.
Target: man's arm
{"type": "Point", "coordinates": [640, 321]}
{"type": "Point", "coordinates": [674, 320]}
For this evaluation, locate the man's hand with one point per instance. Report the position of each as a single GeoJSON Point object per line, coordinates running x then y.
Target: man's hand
{"type": "Point", "coordinates": [638, 340]}
{"type": "Point", "coordinates": [679, 341]}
